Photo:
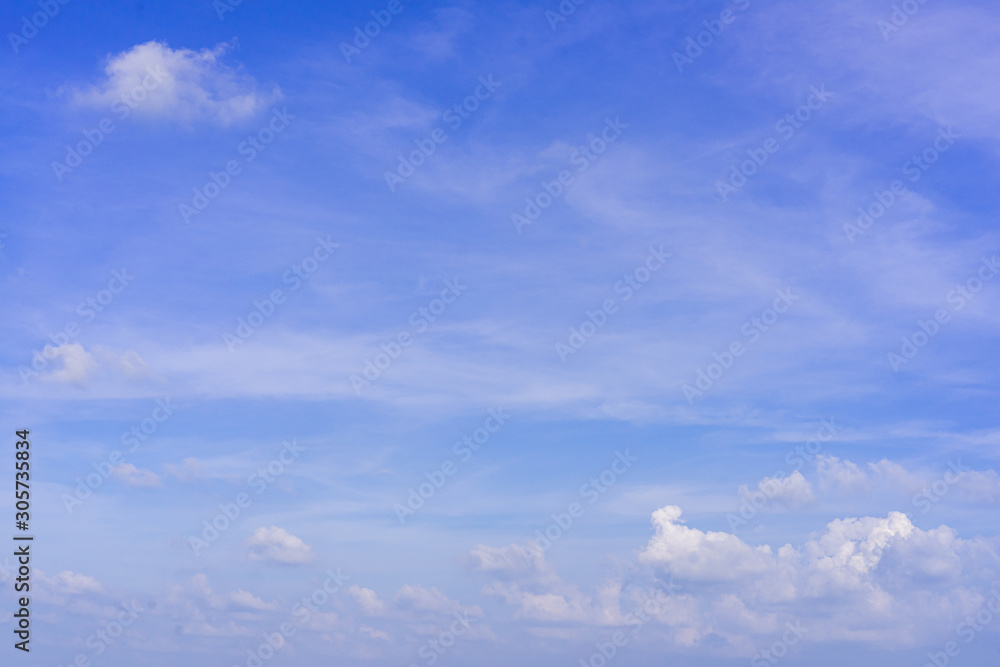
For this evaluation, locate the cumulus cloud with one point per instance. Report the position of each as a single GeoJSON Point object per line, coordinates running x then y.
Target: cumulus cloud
{"type": "Point", "coordinates": [860, 579]}
{"type": "Point", "coordinates": [793, 491]}
{"type": "Point", "coordinates": [279, 545]}
{"type": "Point", "coordinates": [68, 582]}
{"type": "Point", "coordinates": [248, 600]}
{"type": "Point", "coordinates": [871, 577]}
{"type": "Point", "coordinates": [841, 475]}
{"type": "Point", "coordinates": [156, 81]}
{"type": "Point", "coordinates": [77, 363]}
{"type": "Point", "coordinates": [523, 578]}
{"type": "Point", "coordinates": [127, 473]}
{"type": "Point", "coordinates": [367, 600]}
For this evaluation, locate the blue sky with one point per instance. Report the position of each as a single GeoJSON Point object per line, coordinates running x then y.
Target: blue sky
{"type": "Point", "coordinates": [706, 290]}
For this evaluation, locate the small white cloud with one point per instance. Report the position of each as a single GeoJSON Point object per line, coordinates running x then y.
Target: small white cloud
{"type": "Point", "coordinates": [127, 473]}
{"type": "Point", "coordinates": [368, 600]}
{"type": "Point", "coordinates": [156, 81]}
{"type": "Point", "coordinates": [70, 583]}
{"type": "Point", "coordinates": [279, 545]}
{"type": "Point", "coordinates": [793, 491]}
{"type": "Point", "coordinates": [77, 364]}
{"type": "Point", "coordinates": [248, 600]}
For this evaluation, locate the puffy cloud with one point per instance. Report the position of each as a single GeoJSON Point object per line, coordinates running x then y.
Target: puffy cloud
{"type": "Point", "coordinates": [77, 363]}
{"type": "Point", "coordinates": [870, 578]}
{"type": "Point", "coordinates": [368, 600]}
{"type": "Point", "coordinates": [696, 555]}
{"type": "Point", "coordinates": [242, 598]}
{"type": "Point", "coordinates": [156, 81]}
{"type": "Point", "coordinates": [70, 583]}
{"type": "Point", "coordinates": [793, 491]}
{"type": "Point", "coordinates": [861, 579]}
{"type": "Point", "coordinates": [841, 475]}
{"type": "Point", "coordinates": [279, 545]}
{"type": "Point", "coordinates": [132, 476]}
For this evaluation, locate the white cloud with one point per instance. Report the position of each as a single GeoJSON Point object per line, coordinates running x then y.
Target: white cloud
{"type": "Point", "coordinates": [248, 600]}
{"type": "Point", "coordinates": [279, 545]}
{"type": "Point", "coordinates": [129, 474]}
{"type": "Point", "coordinates": [524, 579]}
{"type": "Point", "coordinates": [793, 491]}
{"type": "Point", "coordinates": [156, 81]}
{"type": "Point", "coordinates": [865, 579]}
{"type": "Point", "coordinates": [872, 578]}
{"type": "Point", "coordinates": [841, 475]}
{"type": "Point", "coordinates": [368, 600]}
{"type": "Point", "coordinates": [702, 556]}
{"type": "Point", "coordinates": [68, 582]}
{"type": "Point", "coordinates": [79, 366]}
{"type": "Point", "coordinates": [77, 363]}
